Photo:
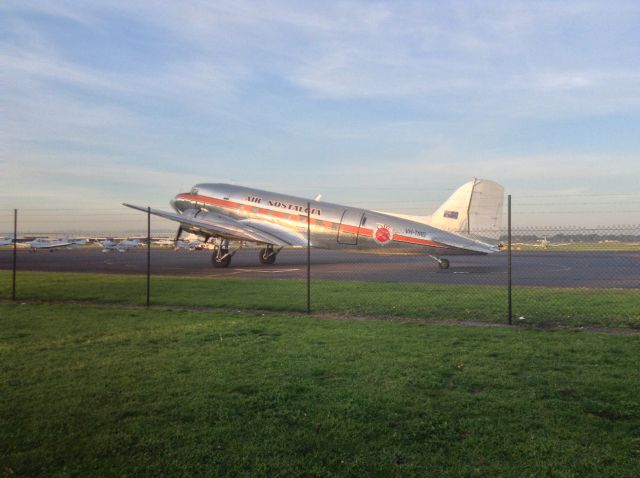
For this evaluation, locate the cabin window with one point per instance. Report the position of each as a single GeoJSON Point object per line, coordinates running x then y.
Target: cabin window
{"type": "Point", "coordinates": [194, 191]}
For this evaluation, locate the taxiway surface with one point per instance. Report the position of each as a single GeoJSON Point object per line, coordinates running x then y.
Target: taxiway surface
{"type": "Point", "coordinates": [537, 268]}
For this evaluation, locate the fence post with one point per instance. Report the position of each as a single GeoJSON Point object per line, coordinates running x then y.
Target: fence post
{"type": "Point", "coordinates": [308, 258]}
{"type": "Point", "coordinates": [15, 253]}
{"type": "Point", "coordinates": [148, 256]}
{"type": "Point", "coordinates": [509, 252]}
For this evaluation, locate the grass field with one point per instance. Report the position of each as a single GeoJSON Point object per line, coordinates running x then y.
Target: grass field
{"type": "Point", "coordinates": [89, 391]}
{"type": "Point", "coordinates": [539, 305]}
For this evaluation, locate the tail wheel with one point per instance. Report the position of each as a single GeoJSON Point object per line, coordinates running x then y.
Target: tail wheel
{"type": "Point", "coordinates": [443, 264]}
{"type": "Point", "coordinates": [220, 257]}
{"type": "Point", "coordinates": [267, 256]}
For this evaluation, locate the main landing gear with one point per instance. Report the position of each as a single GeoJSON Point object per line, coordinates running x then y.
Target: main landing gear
{"type": "Point", "coordinates": [221, 256]}
{"type": "Point", "coordinates": [268, 255]}
{"type": "Point", "coordinates": [442, 263]}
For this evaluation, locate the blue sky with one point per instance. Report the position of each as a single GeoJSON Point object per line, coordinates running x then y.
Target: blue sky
{"type": "Point", "coordinates": [383, 104]}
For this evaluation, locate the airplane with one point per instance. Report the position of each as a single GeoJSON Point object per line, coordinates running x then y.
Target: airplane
{"type": "Point", "coordinates": [6, 241]}
{"type": "Point", "coordinates": [189, 245]}
{"type": "Point", "coordinates": [181, 244]}
{"type": "Point", "coordinates": [48, 244]}
{"type": "Point", "coordinates": [231, 216]}
{"type": "Point", "coordinates": [77, 241]}
{"type": "Point", "coordinates": [163, 242]}
{"type": "Point", "coordinates": [543, 243]}
{"type": "Point", "coordinates": [122, 246]}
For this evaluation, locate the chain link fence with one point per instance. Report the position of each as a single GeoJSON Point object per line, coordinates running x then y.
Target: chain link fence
{"type": "Point", "coordinates": [559, 275]}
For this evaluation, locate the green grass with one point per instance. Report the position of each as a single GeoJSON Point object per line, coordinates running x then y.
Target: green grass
{"type": "Point", "coordinates": [88, 391]}
{"type": "Point", "coordinates": [539, 305]}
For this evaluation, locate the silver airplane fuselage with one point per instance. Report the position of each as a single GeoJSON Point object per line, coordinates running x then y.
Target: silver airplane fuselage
{"type": "Point", "coordinates": [332, 226]}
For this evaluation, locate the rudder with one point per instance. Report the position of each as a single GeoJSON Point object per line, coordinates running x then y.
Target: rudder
{"type": "Point", "coordinates": [474, 207]}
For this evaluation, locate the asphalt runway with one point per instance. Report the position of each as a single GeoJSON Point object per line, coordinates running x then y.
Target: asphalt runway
{"type": "Point", "coordinates": [537, 268]}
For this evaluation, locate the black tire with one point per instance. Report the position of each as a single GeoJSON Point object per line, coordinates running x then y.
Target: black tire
{"type": "Point", "coordinates": [267, 256]}
{"type": "Point", "coordinates": [220, 263]}
{"type": "Point", "coordinates": [443, 264]}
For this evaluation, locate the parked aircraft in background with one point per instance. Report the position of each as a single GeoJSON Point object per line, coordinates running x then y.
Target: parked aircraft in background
{"type": "Point", "coordinates": [543, 243]}
{"type": "Point", "coordinates": [77, 241]}
{"type": "Point", "coordinates": [122, 246]}
{"type": "Point", "coordinates": [189, 245]}
{"type": "Point", "coordinates": [6, 241]}
{"type": "Point", "coordinates": [231, 216]}
{"type": "Point", "coordinates": [164, 242]}
{"type": "Point", "coordinates": [43, 243]}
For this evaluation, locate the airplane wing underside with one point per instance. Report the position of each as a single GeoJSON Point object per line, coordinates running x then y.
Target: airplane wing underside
{"type": "Point", "coordinates": [291, 237]}
{"type": "Point", "coordinates": [228, 228]}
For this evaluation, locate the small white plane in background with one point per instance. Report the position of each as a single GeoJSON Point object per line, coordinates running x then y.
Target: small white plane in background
{"type": "Point", "coordinates": [77, 241]}
{"type": "Point", "coordinates": [163, 242]}
{"type": "Point", "coordinates": [6, 241]}
{"type": "Point", "coordinates": [231, 216]}
{"type": "Point", "coordinates": [190, 245]}
{"type": "Point", "coordinates": [194, 245]}
{"type": "Point", "coordinates": [543, 243]}
{"type": "Point", "coordinates": [43, 243]}
{"type": "Point", "coordinates": [122, 246]}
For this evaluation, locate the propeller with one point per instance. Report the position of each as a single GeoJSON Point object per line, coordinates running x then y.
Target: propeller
{"type": "Point", "coordinates": [177, 238]}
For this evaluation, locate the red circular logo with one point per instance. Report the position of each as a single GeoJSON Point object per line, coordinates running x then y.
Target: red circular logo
{"type": "Point", "coordinates": [383, 234]}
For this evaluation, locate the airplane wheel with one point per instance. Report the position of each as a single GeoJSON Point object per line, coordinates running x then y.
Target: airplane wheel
{"type": "Point", "coordinates": [443, 264]}
{"type": "Point", "coordinates": [267, 256]}
{"type": "Point", "coordinates": [218, 262]}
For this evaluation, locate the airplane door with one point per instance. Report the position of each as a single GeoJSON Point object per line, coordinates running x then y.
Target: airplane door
{"type": "Point", "coordinates": [349, 229]}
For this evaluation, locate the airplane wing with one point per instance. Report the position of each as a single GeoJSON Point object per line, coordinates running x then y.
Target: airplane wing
{"type": "Point", "coordinates": [287, 235]}
{"type": "Point", "coordinates": [49, 246]}
{"type": "Point", "coordinates": [226, 227]}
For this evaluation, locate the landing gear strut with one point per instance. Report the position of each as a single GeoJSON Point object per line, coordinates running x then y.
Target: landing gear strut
{"type": "Point", "coordinates": [220, 257]}
{"type": "Point", "coordinates": [268, 255]}
{"type": "Point", "coordinates": [442, 263]}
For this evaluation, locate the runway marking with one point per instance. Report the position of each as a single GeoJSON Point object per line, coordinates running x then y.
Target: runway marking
{"type": "Point", "coordinates": [552, 267]}
{"type": "Point", "coordinates": [272, 271]}
{"type": "Point", "coordinates": [222, 274]}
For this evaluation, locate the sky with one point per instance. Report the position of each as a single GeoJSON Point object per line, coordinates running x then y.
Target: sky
{"type": "Point", "coordinates": [386, 105]}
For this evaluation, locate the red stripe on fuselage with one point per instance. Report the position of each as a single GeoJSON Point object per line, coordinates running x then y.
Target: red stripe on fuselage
{"type": "Point", "coordinates": [232, 205]}
{"type": "Point", "coordinates": [207, 200]}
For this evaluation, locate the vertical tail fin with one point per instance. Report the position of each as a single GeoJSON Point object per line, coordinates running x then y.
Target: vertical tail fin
{"type": "Point", "coordinates": [474, 207]}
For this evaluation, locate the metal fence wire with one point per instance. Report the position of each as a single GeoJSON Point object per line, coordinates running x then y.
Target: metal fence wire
{"type": "Point", "coordinates": [558, 275]}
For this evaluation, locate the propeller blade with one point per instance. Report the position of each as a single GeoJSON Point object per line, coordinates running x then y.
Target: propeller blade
{"type": "Point", "coordinates": [178, 234]}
